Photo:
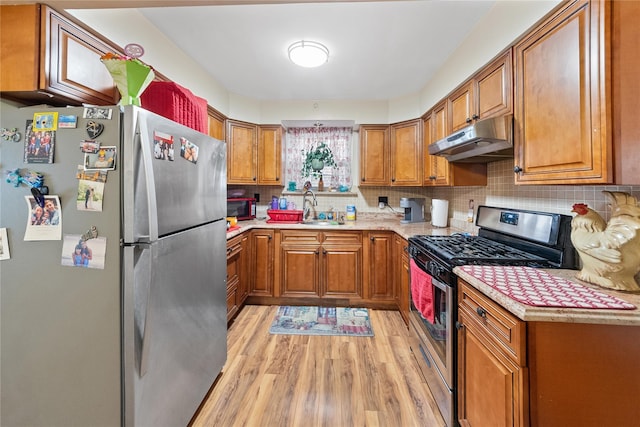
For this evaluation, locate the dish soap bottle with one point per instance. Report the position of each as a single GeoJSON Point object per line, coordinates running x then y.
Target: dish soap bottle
{"type": "Point", "coordinates": [320, 184]}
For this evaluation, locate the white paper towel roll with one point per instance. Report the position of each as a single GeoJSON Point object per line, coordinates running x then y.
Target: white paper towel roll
{"type": "Point", "coordinates": [439, 212]}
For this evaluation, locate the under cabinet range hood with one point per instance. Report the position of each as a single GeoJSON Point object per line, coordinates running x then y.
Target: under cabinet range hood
{"type": "Point", "coordinates": [485, 141]}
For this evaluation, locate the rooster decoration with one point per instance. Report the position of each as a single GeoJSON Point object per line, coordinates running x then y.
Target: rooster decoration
{"type": "Point", "coordinates": [610, 252]}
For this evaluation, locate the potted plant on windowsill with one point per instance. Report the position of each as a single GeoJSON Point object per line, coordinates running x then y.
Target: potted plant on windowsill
{"type": "Point", "coordinates": [317, 159]}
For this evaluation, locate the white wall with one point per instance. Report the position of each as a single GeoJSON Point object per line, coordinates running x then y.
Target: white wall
{"type": "Point", "coordinates": [124, 26]}
{"type": "Point", "coordinates": [506, 21]}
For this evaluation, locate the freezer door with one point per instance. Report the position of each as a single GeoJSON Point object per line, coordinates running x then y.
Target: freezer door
{"type": "Point", "coordinates": [175, 329]}
{"type": "Point", "coordinates": [163, 189]}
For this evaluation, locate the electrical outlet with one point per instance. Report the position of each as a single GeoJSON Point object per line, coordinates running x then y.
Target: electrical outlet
{"type": "Point", "coordinates": [383, 199]}
{"type": "Point", "coordinates": [256, 196]}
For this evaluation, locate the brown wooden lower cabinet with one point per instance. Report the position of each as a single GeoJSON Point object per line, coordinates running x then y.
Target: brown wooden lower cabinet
{"type": "Point", "coordinates": [321, 264]}
{"type": "Point", "coordinates": [545, 374]}
{"type": "Point", "coordinates": [401, 276]}
{"type": "Point", "coordinates": [262, 262]}
{"type": "Point", "coordinates": [335, 267]}
{"type": "Point", "coordinates": [379, 271]}
{"type": "Point", "coordinates": [237, 276]}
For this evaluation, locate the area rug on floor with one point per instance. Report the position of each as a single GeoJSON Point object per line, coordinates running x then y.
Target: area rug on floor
{"type": "Point", "coordinates": [322, 321]}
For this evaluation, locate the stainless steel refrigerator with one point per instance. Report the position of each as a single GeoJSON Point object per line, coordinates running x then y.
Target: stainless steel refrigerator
{"type": "Point", "coordinates": [140, 341]}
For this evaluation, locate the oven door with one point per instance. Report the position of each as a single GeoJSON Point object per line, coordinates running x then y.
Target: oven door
{"type": "Point", "coordinates": [437, 337]}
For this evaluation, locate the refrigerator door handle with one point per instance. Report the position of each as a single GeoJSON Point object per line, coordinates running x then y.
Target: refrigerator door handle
{"type": "Point", "coordinates": [147, 333]}
{"type": "Point", "coordinates": [152, 203]}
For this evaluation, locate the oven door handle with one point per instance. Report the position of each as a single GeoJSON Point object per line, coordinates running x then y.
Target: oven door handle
{"type": "Point", "coordinates": [440, 285]}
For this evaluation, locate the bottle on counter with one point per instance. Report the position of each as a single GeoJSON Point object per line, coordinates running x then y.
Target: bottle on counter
{"type": "Point", "coordinates": [283, 203]}
{"type": "Point", "coordinates": [351, 212]}
{"type": "Point", "coordinates": [274, 203]}
{"type": "Point", "coordinates": [320, 184]}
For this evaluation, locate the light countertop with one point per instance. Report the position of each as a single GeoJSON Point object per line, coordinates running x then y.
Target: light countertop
{"type": "Point", "coordinates": [560, 314]}
{"type": "Point", "coordinates": [363, 222]}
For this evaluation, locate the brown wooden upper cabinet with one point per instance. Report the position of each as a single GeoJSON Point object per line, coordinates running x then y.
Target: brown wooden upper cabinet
{"type": "Point", "coordinates": [576, 91]}
{"type": "Point", "coordinates": [406, 153]}
{"type": "Point", "coordinates": [374, 155]}
{"type": "Point", "coordinates": [51, 59]}
{"type": "Point", "coordinates": [270, 155]}
{"type": "Point", "coordinates": [489, 93]}
{"type": "Point", "coordinates": [216, 123]}
{"type": "Point", "coordinates": [241, 152]}
{"type": "Point", "coordinates": [438, 172]}
{"type": "Point", "coordinates": [254, 153]}
{"type": "Point", "coordinates": [560, 95]}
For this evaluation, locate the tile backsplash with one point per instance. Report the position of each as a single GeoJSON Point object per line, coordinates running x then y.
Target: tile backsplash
{"type": "Point", "coordinates": [500, 191]}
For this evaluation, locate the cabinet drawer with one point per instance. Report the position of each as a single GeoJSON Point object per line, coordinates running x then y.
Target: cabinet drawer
{"type": "Point", "coordinates": [498, 325]}
{"type": "Point", "coordinates": [346, 237]}
{"type": "Point", "coordinates": [294, 236]}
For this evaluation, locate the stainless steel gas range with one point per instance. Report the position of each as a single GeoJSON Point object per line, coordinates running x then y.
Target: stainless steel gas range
{"type": "Point", "coordinates": [506, 237]}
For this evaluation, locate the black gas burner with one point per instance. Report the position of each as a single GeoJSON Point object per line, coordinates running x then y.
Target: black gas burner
{"type": "Point", "coordinates": [463, 249]}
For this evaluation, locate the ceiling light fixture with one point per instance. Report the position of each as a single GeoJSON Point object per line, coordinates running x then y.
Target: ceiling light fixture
{"type": "Point", "coordinates": [308, 54]}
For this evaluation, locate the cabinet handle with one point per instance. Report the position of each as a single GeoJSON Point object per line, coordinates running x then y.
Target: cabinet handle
{"type": "Point", "coordinates": [393, 180]}
{"type": "Point", "coordinates": [269, 237]}
{"type": "Point", "coordinates": [468, 120]}
{"type": "Point", "coordinates": [517, 169]}
{"type": "Point", "coordinates": [277, 178]}
{"type": "Point", "coordinates": [481, 312]}
{"type": "Point", "coordinates": [324, 252]}
{"type": "Point", "coordinates": [373, 239]}
{"type": "Point", "coordinates": [362, 179]}
{"type": "Point", "coordinates": [475, 117]}
{"type": "Point", "coordinates": [432, 177]}
{"type": "Point", "coordinates": [317, 252]}
{"type": "Point", "coordinates": [459, 325]}
{"type": "Point", "coordinates": [254, 178]}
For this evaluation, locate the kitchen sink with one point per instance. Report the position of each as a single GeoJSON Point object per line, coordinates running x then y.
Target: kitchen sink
{"type": "Point", "coordinates": [320, 222]}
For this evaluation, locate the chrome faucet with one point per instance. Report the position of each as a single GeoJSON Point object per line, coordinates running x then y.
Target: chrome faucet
{"type": "Point", "coordinates": [313, 202]}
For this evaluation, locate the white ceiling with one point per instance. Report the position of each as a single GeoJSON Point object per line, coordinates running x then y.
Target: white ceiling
{"type": "Point", "coordinates": [379, 50]}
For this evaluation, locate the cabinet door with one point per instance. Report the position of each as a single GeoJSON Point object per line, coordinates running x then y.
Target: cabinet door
{"type": "Point", "coordinates": [401, 273]}
{"type": "Point", "coordinates": [428, 171]}
{"type": "Point", "coordinates": [243, 277]}
{"type": "Point", "coordinates": [57, 61]}
{"type": "Point", "coordinates": [561, 105]}
{"type": "Point", "coordinates": [439, 165]}
{"type": "Point", "coordinates": [461, 107]}
{"type": "Point", "coordinates": [300, 276]}
{"type": "Point", "coordinates": [374, 155]}
{"type": "Point", "coordinates": [262, 257]}
{"type": "Point", "coordinates": [74, 68]}
{"type": "Point", "coordinates": [406, 154]}
{"type": "Point", "coordinates": [379, 280]}
{"type": "Point", "coordinates": [216, 123]}
{"type": "Point", "coordinates": [341, 274]}
{"type": "Point", "coordinates": [234, 271]}
{"type": "Point", "coordinates": [269, 155]}
{"type": "Point", "coordinates": [489, 383]}
{"type": "Point", "coordinates": [241, 152]}
{"type": "Point", "coordinates": [494, 88]}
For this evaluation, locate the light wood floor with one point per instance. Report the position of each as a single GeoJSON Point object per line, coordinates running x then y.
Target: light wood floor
{"type": "Point", "coordinates": [293, 380]}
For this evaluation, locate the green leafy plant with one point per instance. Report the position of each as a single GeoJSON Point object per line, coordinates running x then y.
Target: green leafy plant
{"type": "Point", "coordinates": [311, 166]}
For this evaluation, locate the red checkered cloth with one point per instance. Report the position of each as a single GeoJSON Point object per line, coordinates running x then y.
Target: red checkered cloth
{"type": "Point", "coordinates": [536, 287]}
{"type": "Point", "coordinates": [176, 103]}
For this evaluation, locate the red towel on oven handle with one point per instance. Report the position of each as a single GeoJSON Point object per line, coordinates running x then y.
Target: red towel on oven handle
{"type": "Point", "coordinates": [422, 292]}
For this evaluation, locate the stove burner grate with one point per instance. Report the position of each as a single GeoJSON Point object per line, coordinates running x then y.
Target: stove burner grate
{"type": "Point", "coordinates": [461, 249]}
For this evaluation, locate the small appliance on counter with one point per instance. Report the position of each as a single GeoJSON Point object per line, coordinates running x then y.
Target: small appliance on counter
{"type": "Point", "coordinates": [413, 210]}
{"type": "Point", "coordinates": [243, 208]}
{"type": "Point", "coordinates": [439, 212]}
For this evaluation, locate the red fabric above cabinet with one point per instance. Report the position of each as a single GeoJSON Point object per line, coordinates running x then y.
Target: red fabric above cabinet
{"type": "Point", "coordinates": [176, 103]}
